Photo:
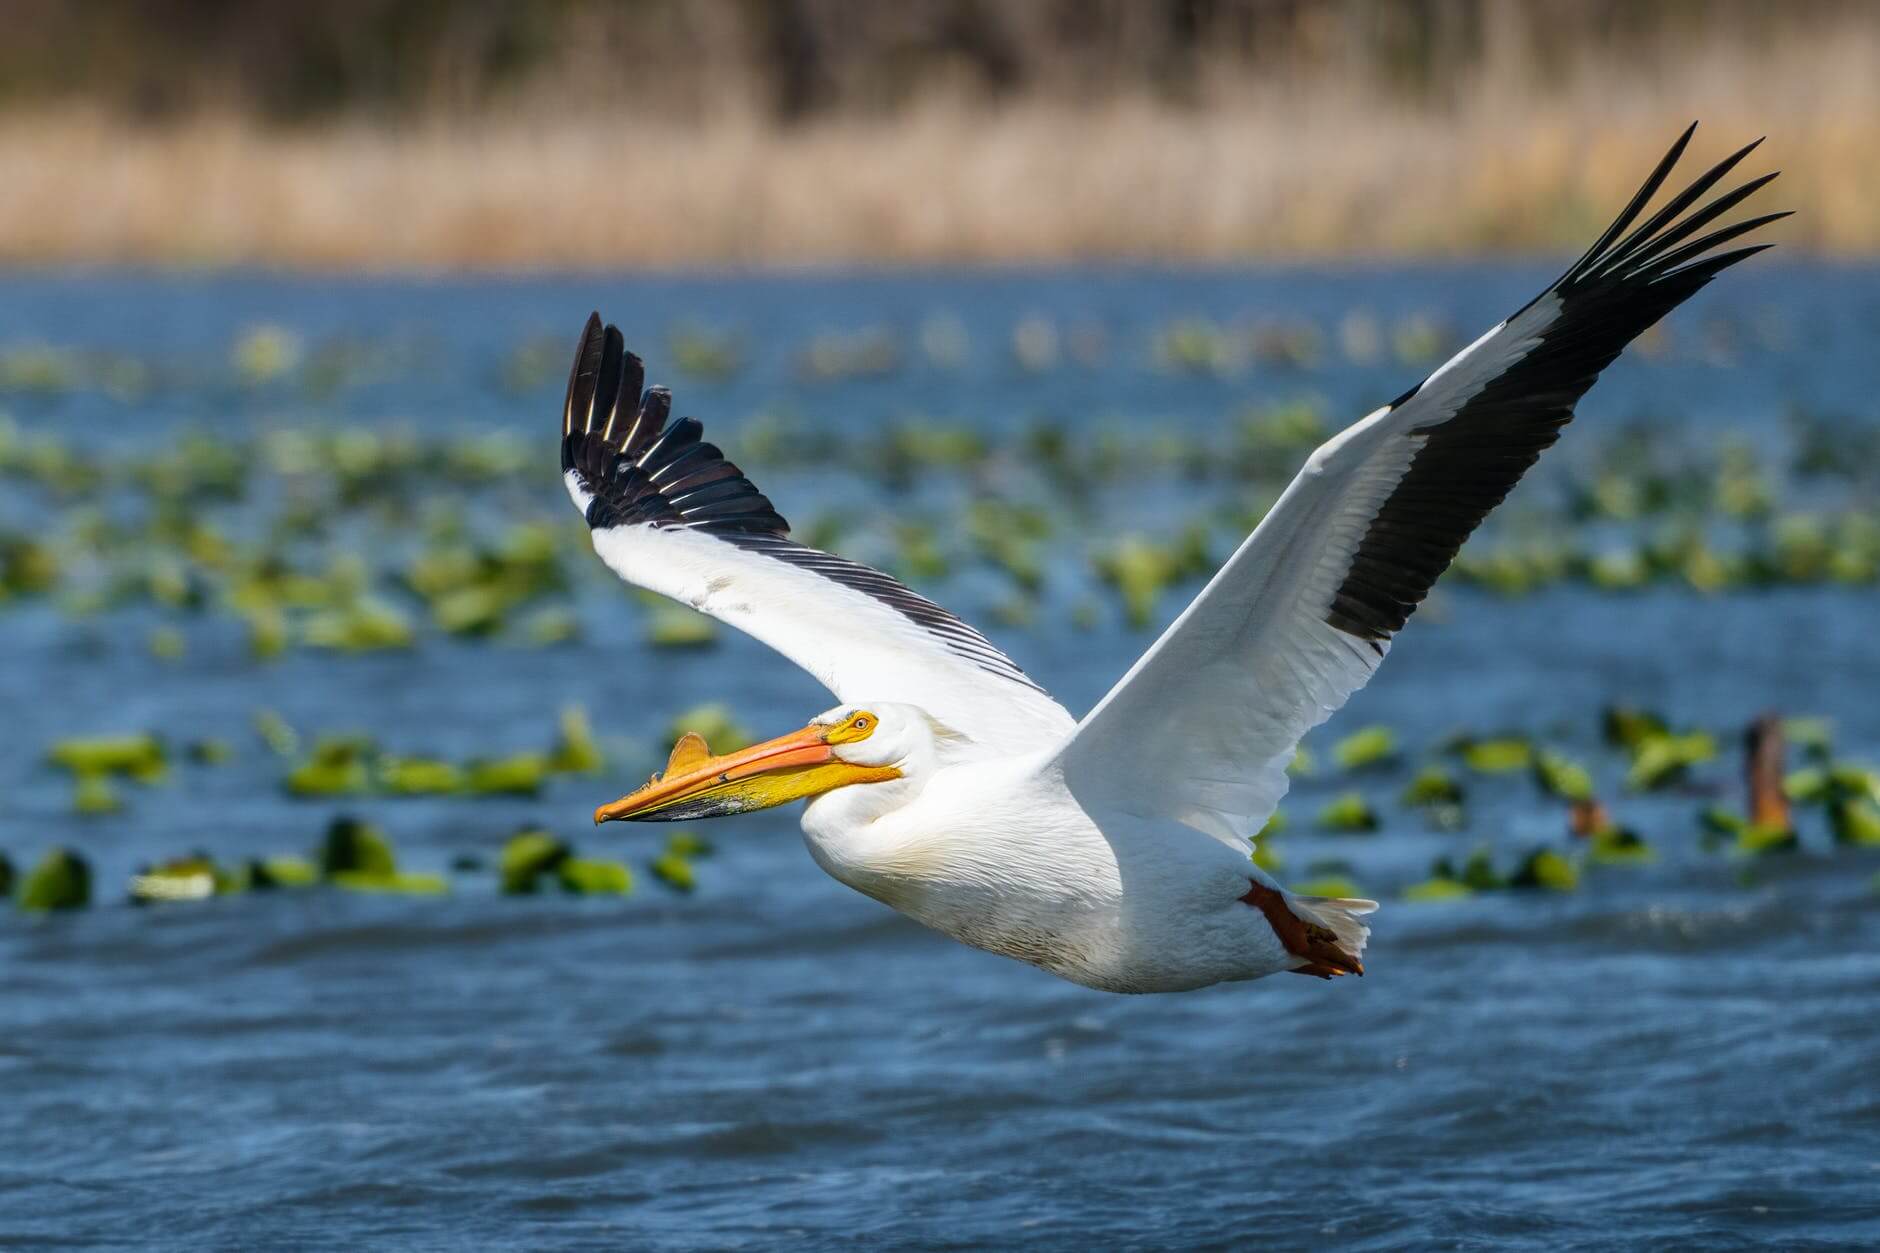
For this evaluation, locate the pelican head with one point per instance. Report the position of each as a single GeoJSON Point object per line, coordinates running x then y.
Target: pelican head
{"type": "Point", "coordinates": [847, 746]}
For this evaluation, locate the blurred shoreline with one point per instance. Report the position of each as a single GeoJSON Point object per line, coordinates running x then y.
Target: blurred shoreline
{"type": "Point", "coordinates": [1319, 168]}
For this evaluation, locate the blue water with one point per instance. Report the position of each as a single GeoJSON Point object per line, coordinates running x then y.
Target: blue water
{"type": "Point", "coordinates": [1684, 1053]}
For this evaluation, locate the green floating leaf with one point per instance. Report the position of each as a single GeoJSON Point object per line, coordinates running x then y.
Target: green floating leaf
{"type": "Point", "coordinates": [61, 880]}
{"type": "Point", "coordinates": [521, 774]}
{"type": "Point", "coordinates": [1329, 885]}
{"type": "Point", "coordinates": [366, 625]}
{"type": "Point", "coordinates": [1497, 756]}
{"type": "Point", "coordinates": [264, 353]}
{"type": "Point", "coordinates": [1372, 746]}
{"type": "Point", "coordinates": [674, 871]}
{"type": "Point", "coordinates": [280, 738]}
{"type": "Point", "coordinates": [1559, 776]}
{"type": "Point", "coordinates": [1740, 835]}
{"type": "Point", "coordinates": [1627, 727]}
{"type": "Point", "coordinates": [282, 872]}
{"type": "Point", "coordinates": [1661, 759]}
{"type": "Point", "coordinates": [396, 884]}
{"type": "Point", "coordinates": [1478, 873]}
{"type": "Point", "coordinates": [168, 644]}
{"type": "Point", "coordinates": [1813, 736]}
{"type": "Point", "coordinates": [675, 626]}
{"type": "Point", "coordinates": [594, 878]}
{"type": "Point", "coordinates": [1546, 869]}
{"type": "Point", "coordinates": [576, 750]}
{"type": "Point", "coordinates": [550, 626]}
{"type": "Point", "coordinates": [209, 752]}
{"type": "Point", "coordinates": [418, 776]}
{"type": "Point", "coordinates": [1619, 846]}
{"type": "Point", "coordinates": [1433, 785]}
{"type": "Point", "coordinates": [139, 757]}
{"type": "Point", "coordinates": [1437, 889]}
{"type": "Point", "coordinates": [1855, 820]}
{"type": "Point", "coordinates": [1141, 569]}
{"type": "Point", "coordinates": [714, 724]}
{"type": "Point", "coordinates": [1349, 812]}
{"type": "Point", "coordinates": [528, 856]}
{"type": "Point", "coordinates": [93, 796]}
{"type": "Point", "coordinates": [336, 767]}
{"type": "Point", "coordinates": [357, 848]}
{"type": "Point", "coordinates": [689, 844]}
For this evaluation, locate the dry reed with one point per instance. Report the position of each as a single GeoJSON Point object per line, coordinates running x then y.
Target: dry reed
{"type": "Point", "coordinates": [1299, 170]}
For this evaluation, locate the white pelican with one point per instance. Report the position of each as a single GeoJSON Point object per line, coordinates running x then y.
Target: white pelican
{"type": "Point", "coordinates": [1113, 851]}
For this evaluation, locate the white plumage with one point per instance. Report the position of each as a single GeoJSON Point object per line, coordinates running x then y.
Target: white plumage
{"type": "Point", "coordinates": [1113, 852]}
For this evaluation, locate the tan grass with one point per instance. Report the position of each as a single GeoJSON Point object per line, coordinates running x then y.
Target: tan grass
{"type": "Point", "coordinates": [1312, 169]}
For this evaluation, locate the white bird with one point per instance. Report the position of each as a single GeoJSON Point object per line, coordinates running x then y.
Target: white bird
{"type": "Point", "coordinates": [1112, 851]}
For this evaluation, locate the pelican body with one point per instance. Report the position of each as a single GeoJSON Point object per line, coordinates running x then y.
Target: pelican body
{"type": "Point", "coordinates": [1114, 851]}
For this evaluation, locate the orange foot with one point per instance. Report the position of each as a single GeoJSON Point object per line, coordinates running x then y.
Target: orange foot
{"type": "Point", "coordinates": [1309, 940]}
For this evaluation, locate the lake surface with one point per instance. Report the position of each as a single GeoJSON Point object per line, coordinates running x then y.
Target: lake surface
{"type": "Point", "coordinates": [1684, 1053]}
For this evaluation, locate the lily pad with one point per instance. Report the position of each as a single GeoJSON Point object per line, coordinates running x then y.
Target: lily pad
{"type": "Point", "coordinates": [398, 883]}
{"type": "Point", "coordinates": [139, 757]}
{"type": "Point", "coordinates": [674, 871]}
{"type": "Point", "coordinates": [1349, 812]}
{"type": "Point", "coordinates": [1433, 785]}
{"type": "Point", "coordinates": [1627, 727]}
{"type": "Point", "coordinates": [1437, 889]}
{"type": "Point", "coordinates": [1562, 777]}
{"type": "Point", "coordinates": [418, 776]}
{"type": "Point", "coordinates": [521, 774]}
{"type": "Point", "coordinates": [1329, 885]}
{"type": "Point", "coordinates": [61, 880]}
{"type": "Point", "coordinates": [715, 724]}
{"type": "Point", "coordinates": [594, 878]}
{"type": "Point", "coordinates": [675, 626]}
{"type": "Point", "coordinates": [1855, 820]}
{"type": "Point", "coordinates": [1544, 868]}
{"type": "Point", "coordinates": [93, 795]}
{"type": "Point", "coordinates": [576, 750]}
{"type": "Point", "coordinates": [1620, 846]}
{"type": "Point", "coordinates": [282, 872]}
{"type": "Point", "coordinates": [1504, 755]}
{"type": "Point", "coordinates": [528, 856]}
{"type": "Point", "coordinates": [355, 847]}
{"type": "Point", "coordinates": [1662, 759]}
{"type": "Point", "coordinates": [336, 767]}
{"type": "Point", "coordinates": [1372, 746]}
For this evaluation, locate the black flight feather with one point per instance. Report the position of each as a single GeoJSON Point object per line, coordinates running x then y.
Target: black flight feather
{"type": "Point", "coordinates": [1467, 463]}
{"type": "Point", "coordinates": [640, 471]}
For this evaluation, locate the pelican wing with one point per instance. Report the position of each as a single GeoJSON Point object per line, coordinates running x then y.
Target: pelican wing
{"type": "Point", "coordinates": [669, 513]}
{"type": "Point", "coordinates": [1202, 728]}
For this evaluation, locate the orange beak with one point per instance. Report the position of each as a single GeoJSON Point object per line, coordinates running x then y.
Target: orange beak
{"type": "Point", "coordinates": [696, 784]}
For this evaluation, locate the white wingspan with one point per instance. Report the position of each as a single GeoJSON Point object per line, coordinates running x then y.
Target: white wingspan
{"type": "Point", "coordinates": [1202, 728]}
{"type": "Point", "coordinates": [671, 515]}
{"type": "Point", "coordinates": [1205, 723]}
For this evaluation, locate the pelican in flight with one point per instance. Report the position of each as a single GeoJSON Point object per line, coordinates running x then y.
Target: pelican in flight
{"type": "Point", "coordinates": [1114, 850]}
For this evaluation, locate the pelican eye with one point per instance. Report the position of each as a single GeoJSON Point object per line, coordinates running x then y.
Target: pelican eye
{"type": "Point", "coordinates": [858, 726]}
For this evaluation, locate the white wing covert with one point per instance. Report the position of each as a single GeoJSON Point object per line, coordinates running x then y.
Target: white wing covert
{"type": "Point", "coordinates": [1202, 728]}
{"type": "Point", "coordinates": [669, 513]}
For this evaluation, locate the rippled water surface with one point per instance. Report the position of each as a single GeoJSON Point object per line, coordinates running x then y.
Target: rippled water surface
{"type": "Point", "coordinates": [1682, 1053]}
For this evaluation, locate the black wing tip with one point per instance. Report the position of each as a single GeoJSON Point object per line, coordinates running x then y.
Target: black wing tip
{"type": "Point", "coordinates": [636, 467]}
{"type": "Point", "coordinates": [1650, 255]}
